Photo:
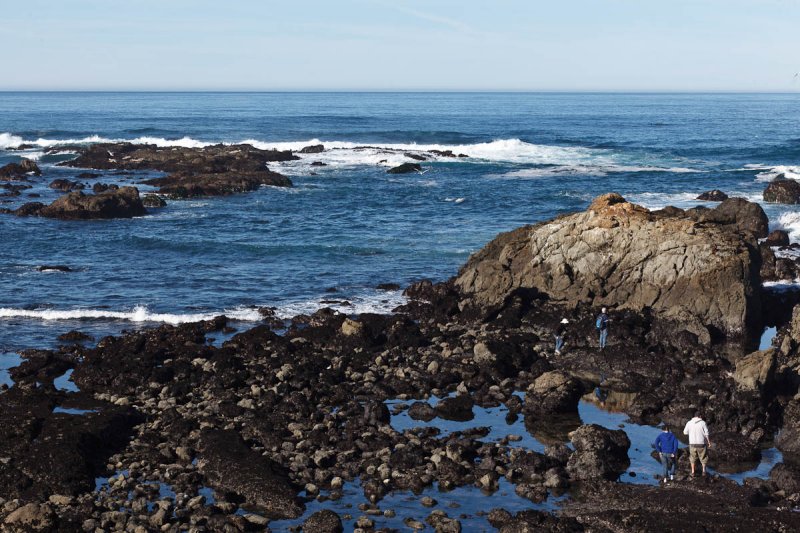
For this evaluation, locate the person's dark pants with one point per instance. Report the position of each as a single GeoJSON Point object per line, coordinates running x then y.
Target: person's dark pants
{"type": "Point", "coordinates": [669, 464]}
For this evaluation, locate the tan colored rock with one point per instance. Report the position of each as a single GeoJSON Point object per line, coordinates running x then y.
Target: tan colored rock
{"type": "Point", "coordinates": [755, 370]}
{"type": "Point", "coordinates": [351, 327]}
{"type": "Point", "coordinates": [31, 517]}
{"type": "Point", "coordinates": [620, 254]}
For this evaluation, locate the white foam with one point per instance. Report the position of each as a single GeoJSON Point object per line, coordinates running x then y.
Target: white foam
{"type": "Point", "coordinates": [790, 222]}
{"type": "Point", "coordinates": [600, 168]}
{"type": "Point", "coordinates": [379, 302]}
{"type": "Point", "coordinates": [8, 140]}
{"type": "Point", "coordinates": [654, 200]}
{"type": "Point", "coordinates": [137, 314]}
{"type": "Point", "coordinates": [769, 173]}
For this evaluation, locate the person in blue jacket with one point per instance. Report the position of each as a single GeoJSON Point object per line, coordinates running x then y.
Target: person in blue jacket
{"type": "Point", "coordinates": [666, 444]}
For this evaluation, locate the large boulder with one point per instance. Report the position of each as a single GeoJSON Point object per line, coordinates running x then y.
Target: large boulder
{"type": "Point", "coordinates": [119, 203]}
{"type": "Point", "coordinates": [777, 237]}
{"type": "Point", "coordinates": [405, 168]}
{"type": "Point", "coordinates": [600, 453]}
{"type": "Point", "coordinates": [620, 254]}
{"type": "Point", "coordinates": [553, 392]}
{"type": "Point", "coordinates": [231, 466]}
{"type": "Point", "coordinates": [782, 191]}
{"type": "Point", "coordinates": [788, 439]}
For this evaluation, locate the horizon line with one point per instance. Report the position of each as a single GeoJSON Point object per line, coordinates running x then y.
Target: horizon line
{"type": "Point", "coordinates": [413, 91]}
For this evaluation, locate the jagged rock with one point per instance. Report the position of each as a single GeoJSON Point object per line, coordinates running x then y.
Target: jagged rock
{"type": "Point", "coordinates": [786, 477]}
{"type": "Point", "coordinates": [755, 371]}
{"type": "Point", "coordinates": [483, 355]}
{"type": "Point", "coordinates": [788, 439]}
{"type": "Point", "coordinates": [777, 237]}
{"type": "Point", "coordinates": [75, 336]}
{"type": "Point", "coordinates": [120, 203]}
{"type": "Point", "coordinates": [715, 195]}
{"type": "Point", "coordinates": [154, 201]}
{"type": "Point", "coordinates": [324, 521]}
{"type": "Point", "coordinates": [19, 170]}
{"type": "Point", "coordinates": [617, 253]}
{"type": "Point", "coordinates": [209, 171]}
{"type": "Point", "coordinates": [405, 168]}
{"type": "Point", "coordinates": [782, 191]}
{"type": "Point", "coordinates": [600, 453]}
{"type": "Point", "coordinates": [231, 466]}
{"type": "Point", "coordinates": [314, 149]}
{"type": "Point", "coordinates": [553, 392]}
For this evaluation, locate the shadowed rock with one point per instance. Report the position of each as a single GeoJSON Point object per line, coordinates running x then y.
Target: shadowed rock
{"type": "Point", "coordinates": [19, 170]}
{"type": "Point", "coordinates": [118, 203]}
{"type": "Point", "coordinates": [600, 453]}
{"type": "Point", "coordinates": [231, 466]}
{"type": "Point", "coordinates": [713, 196]}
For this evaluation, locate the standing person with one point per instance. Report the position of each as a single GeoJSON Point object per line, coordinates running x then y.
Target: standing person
{"type": "Point", "coordinates": [560, 332]}
{"type": "Point", "coordinates": [698, 441]}
{"type": "Point", "coordinates": [602, 326]}
{"type": "Point", "coordinates": [666, 444]}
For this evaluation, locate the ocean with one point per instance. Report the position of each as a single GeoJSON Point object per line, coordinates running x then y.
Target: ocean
{"type": "Point", "coordinates": [347, 227]}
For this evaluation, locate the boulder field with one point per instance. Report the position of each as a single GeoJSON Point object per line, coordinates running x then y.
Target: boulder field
{"type": "Point", "coordinates": [285, 413]}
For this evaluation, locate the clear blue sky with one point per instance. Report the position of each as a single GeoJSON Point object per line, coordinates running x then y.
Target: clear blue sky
{"type": "Point", "coordinates": [684, 45]}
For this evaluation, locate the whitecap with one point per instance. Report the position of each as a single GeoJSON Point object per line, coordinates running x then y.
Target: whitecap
{"type": "Point", "coordinates": [137, 314]}
{"type": "Point", "coordinates": [769, 173]}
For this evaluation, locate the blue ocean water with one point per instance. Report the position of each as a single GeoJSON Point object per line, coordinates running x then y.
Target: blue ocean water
{"type": "Point", "coordinates": [348, 226]}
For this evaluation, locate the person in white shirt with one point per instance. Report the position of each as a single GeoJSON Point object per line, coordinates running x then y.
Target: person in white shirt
{"type": "Point", "coordinates": [698, 441]}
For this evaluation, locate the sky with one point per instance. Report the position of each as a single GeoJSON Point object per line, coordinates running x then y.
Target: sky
{"type": "Point", "coordinates": [514, 45]}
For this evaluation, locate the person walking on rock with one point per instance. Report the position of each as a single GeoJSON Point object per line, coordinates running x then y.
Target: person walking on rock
{"type": "Point", "coordinates": [698, 441]}
{"type": "Point", "coordinates": [560, 332]}
{"type": "Point", "coordinates": [602, 326]}
{"type": "Point", "coordinates": [666, 444]}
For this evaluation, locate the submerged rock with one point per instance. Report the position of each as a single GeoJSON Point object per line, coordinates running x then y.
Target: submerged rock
{"type": "Point", "coordinates": [713, 196]}
{"type": "Point", "coordinates": [66, 185]}
{"type": "Point", "coordinates": [620, 254]}
{"type": "Point", "coordinates": [405, 168]}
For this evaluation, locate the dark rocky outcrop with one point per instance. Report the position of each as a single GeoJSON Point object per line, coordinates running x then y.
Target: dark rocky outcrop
{"type": "Point", "coordinates": [600, 453]}
{"type": "Point", "coordinates": [782, 191]}
{"type": "Point", "coordinates": [688, 269]}
{"type": "Point", "coordinates": [231, 466]}
{"type": "Point", "coordinates": [715, 195]}
{"type": "Point", "coordinates": [53, 268]}
{"type": "Point", "coordinates": [188, 185]}
{"type": "Point", "coordinates": [20, 170]}
{"type": "Point", "coordinates": [66, 185]}
{"type": "Point", "coordinates": [118, 203]}
{"type": "Point", "coordinates": [314, 149]}
{"type": "Point", "coordinates": [777, 237]}
{"type": "Point", "coordinates": [153, 201]}
{"type": "Point", "coordinates": [405, 168]}
{"type": "Point", "coordinates": [210, 171]}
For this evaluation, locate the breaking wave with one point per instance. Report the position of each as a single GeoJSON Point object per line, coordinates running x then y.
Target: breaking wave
{"type": "Point", "coordinates": [137, 314]}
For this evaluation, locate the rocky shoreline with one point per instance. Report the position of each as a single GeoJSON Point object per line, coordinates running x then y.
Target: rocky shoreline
{"type": "Point", "coordinates": [164, 429]}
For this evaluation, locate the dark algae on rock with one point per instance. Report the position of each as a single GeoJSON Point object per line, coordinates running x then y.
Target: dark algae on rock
{"type": "Point", "coordinates": [293, 424]}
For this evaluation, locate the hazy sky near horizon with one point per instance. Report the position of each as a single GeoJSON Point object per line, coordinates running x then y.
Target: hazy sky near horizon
{"type": "Point", "coordinates": [574, 45]}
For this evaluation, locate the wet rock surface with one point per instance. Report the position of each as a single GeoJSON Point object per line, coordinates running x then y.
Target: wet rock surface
{"type": "Point", "coordinates": [715, 195]}
{"type": "Point", "coordinates": [405, 168]}
{"type": "Point", "coordinates": [210, 171]}
{"type": "Point", "coordinates": [114, 203]}
{"type": "Point", "coordinates": [782, 191]}
{"type": "Point", "coordinates": [20, 170]}
{"type": "Point", "coordinates": [282, 421]}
